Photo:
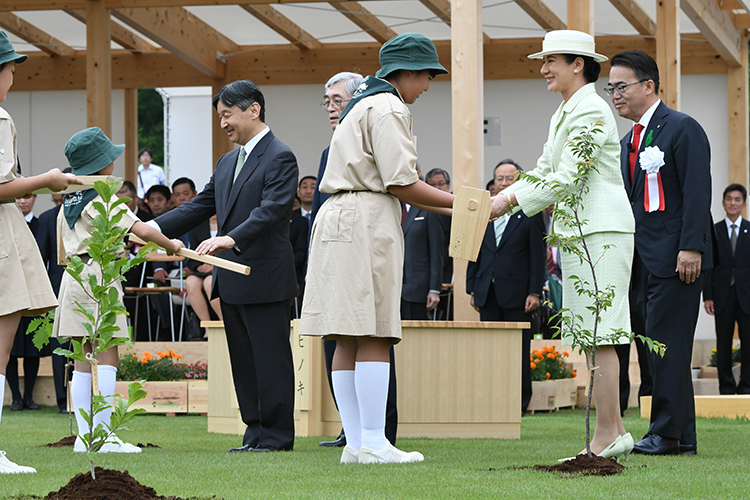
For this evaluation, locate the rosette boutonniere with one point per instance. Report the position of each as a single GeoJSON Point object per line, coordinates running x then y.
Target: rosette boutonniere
{"type": "Point", "coordinates": [651, 160]}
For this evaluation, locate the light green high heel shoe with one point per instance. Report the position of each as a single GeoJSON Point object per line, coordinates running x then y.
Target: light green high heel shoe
{"type": "Point", "coordinates": [627, 439]}
{"type": "Point", "coordinates": [617, 449]}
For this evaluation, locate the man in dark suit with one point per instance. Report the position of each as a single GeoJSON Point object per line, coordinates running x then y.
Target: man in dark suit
{"type": "Point", "coordinates": [423, 262]}
{"type": "Point", "coordinates": [726, 293]}
{"type": "Point", "coordinates": [506, 281]}
{"type": "Point", "coordinates": [299, 231]}
{"type": "Point", "coordinates": [441, 179]}
{"type": "Point", "coordinates": [666, 166]}
{"type": "Point", "coordinates": [251, 192]}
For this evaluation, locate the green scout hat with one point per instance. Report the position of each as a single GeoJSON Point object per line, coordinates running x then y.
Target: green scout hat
{"type": "Point", "coordinates": [410, 51]}
{"type": "Point", "coordinates": [7, 53]}
{"type": "Point", "coordinates": [90, 150]}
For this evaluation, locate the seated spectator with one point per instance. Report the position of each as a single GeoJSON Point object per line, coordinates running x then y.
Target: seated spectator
{"type": "Point", "coordinates": [198, 283]}
{"type": "Point", "coordinates": [157, 199]}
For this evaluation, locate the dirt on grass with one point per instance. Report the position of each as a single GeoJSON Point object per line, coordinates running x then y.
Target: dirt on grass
{"type": "Point", "coordinates": [584, 465]}
{"type": "Point", "coordinates": [66, 441]}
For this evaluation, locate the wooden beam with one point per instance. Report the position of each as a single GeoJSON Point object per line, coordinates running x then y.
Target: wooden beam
{"type": "Point", "coordinates": [738, 130]}
{"type": "Point", "coordinates": [442, 9]}
{"type": "Point", "coordinates": [668, 51]}
{"type": "Point", "coordinates": [363, 18]}
{"type": "Point", "coordinates": [581, 15]}
{"type": "Point", "coordinates": [131, 134]}
{"type": "Point", "coordinates": [741, 21]}
{"type": "Point", "coordinates": [636, 16]}
{"type": "Point", "coordinates": [30, 33]}
{"type": "Point", "coordinates": [181, 33]}
{"type": "Point", "coordinates": [716, 25]}
{"type": "Point", "coordinates": [732, 4]}
{"type": "Point", "coordinates": [542, 14]}
{"type": "Point", "coordinates": [98, 67]}
{"type": "Point", "coordinates": [286, 65]}
{"type": "Point", "coordinates": [120, 34]}
{"type": "Point", "coordinates": [24, 5]}
{"type": "Point", "coordinates": [283, 26]}
{"type": "Point", "coordinates": [467, 91]}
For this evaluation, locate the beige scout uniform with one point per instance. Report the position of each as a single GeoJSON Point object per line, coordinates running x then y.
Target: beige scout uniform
{"type": "Point", "coordinates": [70, 243]}
{"type": "Point", "coordinates": [353, 283]}
{"type": "Point", "coordinates": [24, 285]}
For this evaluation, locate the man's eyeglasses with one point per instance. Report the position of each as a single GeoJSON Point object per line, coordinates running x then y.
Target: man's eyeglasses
{"type": "Point", "coordinates": [438, 184]}
{"type": "Point", "coordinates": [508, 178]}
{"type": "Point", "coordinates": [337, 103]}
{"type": "Point", "coordinates": [620, 89]}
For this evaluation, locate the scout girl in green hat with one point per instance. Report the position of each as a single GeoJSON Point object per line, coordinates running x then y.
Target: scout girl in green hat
{"type": "Point", "coordinates": [353, 284]}
{"type": "Point", "coordinates": [90, 152]}
{"type": "Point", "coordinates": [20, 261]}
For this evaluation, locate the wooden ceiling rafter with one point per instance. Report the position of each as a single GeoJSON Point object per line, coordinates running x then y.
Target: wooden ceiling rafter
{"type": "Point", "coordinates": [442, 9]}
{"type": "Point", "coordinates": [542, 14]}
{"type": "Point", "coordinates": [636, 16]}
{"type": "Point", "coordinates": [120, 34]}
{"type": "Point", "coordinates": [365, 20]}
{"type": "Point", "coordinates": [30, 33]}
{"type": "Point", "coordinates": [718, 28]}
{"type": "Point", "coordinates": [183, 34]}
{"type": "Point", "coordinates": [282, 25]}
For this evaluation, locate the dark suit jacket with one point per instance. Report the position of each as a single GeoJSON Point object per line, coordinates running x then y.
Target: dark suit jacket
{"type": "Point", "coordinates": [685, 223]}
{"type": "Point", "coordinates": [517, 264]}
{"type": "Point", "coordinates": [318, 197]}
{"type": "Point", "coordinates": [716, 286]}
{"type": "Point", "coordinates": [423, 255]}
{"type": "Point", "coordinates": [198, 234]}
{"type": "Point", "coordinates": [46, 238]}
{"type": "Point", "coordinates": [299, 230]}
{"type": "Point", "coordinates": [255, 211]}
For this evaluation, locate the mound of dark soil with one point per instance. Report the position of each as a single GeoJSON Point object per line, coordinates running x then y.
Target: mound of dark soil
{"type": "Point", "coordinates": [585, 466]}
{"type": "Point", "coordinates": [66, 441]}
{"type": "Point", "coordinates": [109, 485]}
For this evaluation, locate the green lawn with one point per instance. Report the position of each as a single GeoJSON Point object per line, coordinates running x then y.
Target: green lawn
{"type": "Point", "coordinates": [192, 462]}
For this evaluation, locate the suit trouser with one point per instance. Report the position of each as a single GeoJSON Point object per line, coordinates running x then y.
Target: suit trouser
{"type": "Point", "coordinates": [638, 324]}
{"type": "Point", "coordinates": [672, 308]}
{"type": "Point", "coordinates": [732, 312]}
{"type": "Point", "coordinates": [263, 371]}
{"type": "Point", "coordinates": [492, 311]}
{"type": "Point", "coordinates": [391, 410]}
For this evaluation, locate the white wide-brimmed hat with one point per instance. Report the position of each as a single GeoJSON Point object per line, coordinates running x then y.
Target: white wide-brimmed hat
{"type": "Point", "coordinates": [569, 42]}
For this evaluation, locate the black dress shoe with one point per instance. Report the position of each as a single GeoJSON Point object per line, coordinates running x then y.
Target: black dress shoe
{"type": "Point", "coordinates": [688, 449]}
{"type": "Point", "coordinates": [31, 405]}
{"type": "Point", "coordinates": [64, 410]}
{"type": "Point", "coordinates": [654, 444]}
{"type": "Point", "coordinates": [16, 405]}
{"type": "Point", "coordinates": [244, 447]}
{"type": "Point", "coordinates": [336, 443]}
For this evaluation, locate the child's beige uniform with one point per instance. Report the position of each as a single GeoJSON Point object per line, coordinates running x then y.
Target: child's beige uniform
{"type": "Point", "coordinates": [24, 284]}
{"type": "Point", "coordinates": [70, 243]}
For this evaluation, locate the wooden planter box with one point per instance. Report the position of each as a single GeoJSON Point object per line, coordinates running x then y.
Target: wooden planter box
{"type": "Point", "coordinates": [712, 372]}
{"type": "Point", "coordinates": [543, 396]}
{"type": "Point", "coordinates": [171, 397]}
{"type": "Point", "coordinates": [566, 393]}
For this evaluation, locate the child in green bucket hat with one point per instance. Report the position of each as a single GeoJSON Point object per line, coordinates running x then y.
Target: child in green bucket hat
{"type": "Point", "coordinates": [20, 261]}
{"type": "Point", "coordinates": [90, 152]}
{"type": "Point", "coordinates": [353, 283]}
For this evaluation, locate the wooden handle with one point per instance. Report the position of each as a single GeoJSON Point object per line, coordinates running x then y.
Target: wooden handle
{"type": "Point", "coordinates": [207, 259]}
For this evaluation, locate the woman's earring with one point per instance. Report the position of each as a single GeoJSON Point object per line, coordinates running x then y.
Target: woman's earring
{"type": "Point", "coordinates": [575, 71]}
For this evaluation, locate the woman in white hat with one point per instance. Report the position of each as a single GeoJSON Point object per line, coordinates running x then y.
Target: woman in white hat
{"type": "Point", "coordinates": [571, 66]}
{"type": "Point", "coordinates": [20, 261]}
{"type": "Point", "coordinates": [354, 277]}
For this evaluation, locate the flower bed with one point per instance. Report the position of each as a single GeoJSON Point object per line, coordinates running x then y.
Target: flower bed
{"type": "Point", "coordinates": [553, 385]}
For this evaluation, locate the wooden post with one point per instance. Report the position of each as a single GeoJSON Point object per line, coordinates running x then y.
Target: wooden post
{"type": "Point", "coordinates": [221, 142]}
{"type": "Point", "coordinates": [131, 134]}
{"type": "Point", "coordinates": [581, 16]}
{"type": "Point", "coordinates": [668, 51]}
{"type": "Point", "coordinates": [467, 89]}
{"type": "Point", "coordinates": [737, 102]}
{"type": "Point", "coordinates": [98, 67]}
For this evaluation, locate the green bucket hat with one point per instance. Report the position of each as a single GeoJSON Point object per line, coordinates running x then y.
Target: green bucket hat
{"type": "Point", "coordinates": [7, 53]}
{"type": "Point", "coordinates": [410, 51]}
{"type": "Point", "coordinates": [90, 150]}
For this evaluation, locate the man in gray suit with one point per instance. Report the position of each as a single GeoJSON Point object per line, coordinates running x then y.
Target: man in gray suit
{"type": "Point", "coordinates": [251, 192]}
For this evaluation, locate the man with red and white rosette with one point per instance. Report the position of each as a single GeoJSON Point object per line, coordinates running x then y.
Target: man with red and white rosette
{"type": "Point", "coordinates": [667, 172]}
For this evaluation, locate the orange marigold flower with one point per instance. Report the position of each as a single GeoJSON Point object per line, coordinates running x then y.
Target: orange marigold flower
{"type": "Point", "coordinates": [147, 354]}
{"type": "Point", "coordinates": [135, 357]}
{"type": "Point", "coordinates": [170, 353]}
{"type": "Point", "coordinates": [178, 356]}
{"type": "Point", "coordinates": [574, 373]}
{"type": "Point", "coordinates": [533, 366]}
{"type": "Point", "coordinates": [547, 375]}
{"type": "Point", "coordinates": [551, 356]}
{"type": "Point", "coordinates": [144, 360]}
{"type": "Point", "coordinates": [160, 354]}
{"type": "Point", "coordinates": [535, 352]}
{"type": "Point", "coordinates": [565, 353]}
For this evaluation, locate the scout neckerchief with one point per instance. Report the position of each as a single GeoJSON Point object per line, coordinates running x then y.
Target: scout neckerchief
{"type": "Point", "coordinates": [74, 203]}
{"type": "Point", "coordinates": [370, 86]}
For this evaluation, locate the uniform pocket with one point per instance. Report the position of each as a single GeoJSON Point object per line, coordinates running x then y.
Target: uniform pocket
{"type": "Point", "coordinates": [3, 241]}
{"type": "Point", "coordinates": [338, 225]}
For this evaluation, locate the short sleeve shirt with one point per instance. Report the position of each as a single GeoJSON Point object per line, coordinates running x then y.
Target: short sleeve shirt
{"type": "Point", "coordinates": [8, 166]}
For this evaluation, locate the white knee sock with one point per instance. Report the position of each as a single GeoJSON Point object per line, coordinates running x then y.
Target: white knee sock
{"type": "Point", "coordinates": [346, 399]}
{"type": "Point", "coordinates": [371, 380]}
{"type": "Point", "coordinates": [107, 381]}
{"type": "Point", "coordinates": [2, 395]}
{"type": "Point", "coordinates": [80, 395]}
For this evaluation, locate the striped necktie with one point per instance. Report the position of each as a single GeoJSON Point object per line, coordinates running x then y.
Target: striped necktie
{"type": "Point", "coordinates": [500, 229]}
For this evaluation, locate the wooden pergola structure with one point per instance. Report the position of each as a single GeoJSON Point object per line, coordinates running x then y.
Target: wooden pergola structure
{"type": "Point", "coordinates": [163, 44]}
